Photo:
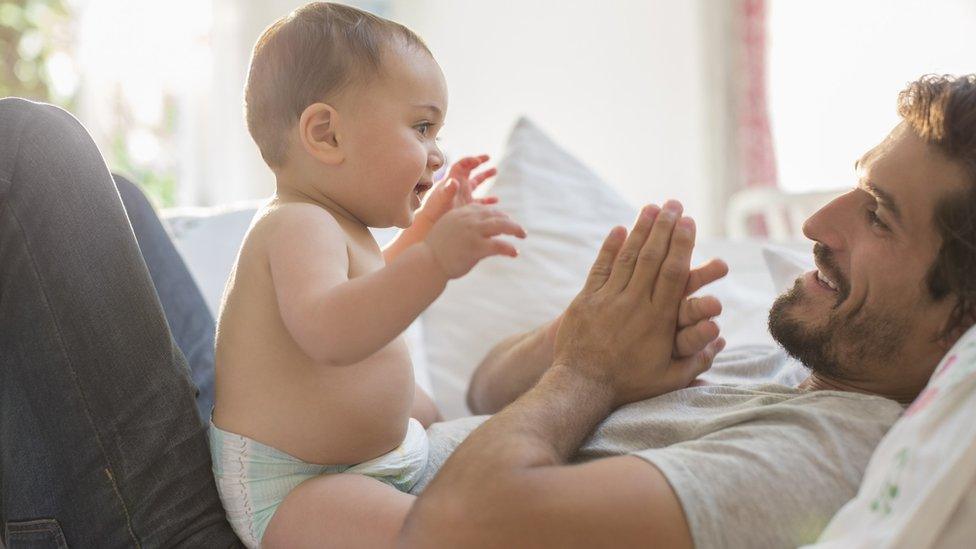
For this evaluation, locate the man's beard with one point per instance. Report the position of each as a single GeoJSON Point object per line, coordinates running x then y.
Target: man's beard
{"type": "Point", "coordinates": [843, 346]}
{"type": "Point", "coordinates": [811, 345]}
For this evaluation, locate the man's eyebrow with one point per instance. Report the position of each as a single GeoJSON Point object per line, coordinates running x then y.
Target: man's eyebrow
{"type": "Point", "coordinates": [885, 199]}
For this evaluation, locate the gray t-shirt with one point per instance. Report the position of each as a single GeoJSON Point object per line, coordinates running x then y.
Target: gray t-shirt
{"type": "Point", "coordinates": [754, 462]}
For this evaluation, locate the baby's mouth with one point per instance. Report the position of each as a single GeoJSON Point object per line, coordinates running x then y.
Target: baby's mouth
{"type": "Point", "coordinates": [422, 188]}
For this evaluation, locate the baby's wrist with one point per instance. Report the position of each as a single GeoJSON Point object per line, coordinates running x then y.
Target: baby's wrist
{"type": "Point", "coordinates": [434, 264]}
{"type": "Point", "coordinates": [422, 223]}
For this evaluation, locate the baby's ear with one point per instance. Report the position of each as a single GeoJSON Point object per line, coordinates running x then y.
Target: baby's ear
{"type": "Point", "coordinates": [317, 132]}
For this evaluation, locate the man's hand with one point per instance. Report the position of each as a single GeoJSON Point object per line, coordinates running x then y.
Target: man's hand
{"type": "Point", "coordinates": [441, 199]}
{"type": "Point", "coordinates": [620, 330]}
{"type": "Point", "coordinates": [696, 329]}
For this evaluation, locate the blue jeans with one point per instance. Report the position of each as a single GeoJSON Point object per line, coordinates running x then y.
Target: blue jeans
{"type": "Point", "coordinates": [101, 442]}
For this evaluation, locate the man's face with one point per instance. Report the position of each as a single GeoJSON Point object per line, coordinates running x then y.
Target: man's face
{"type": "Point", "coordinates": [866, 316]}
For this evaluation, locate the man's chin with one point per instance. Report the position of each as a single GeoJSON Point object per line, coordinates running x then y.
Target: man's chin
{"type": "Point", "coordinates": [809, 340]}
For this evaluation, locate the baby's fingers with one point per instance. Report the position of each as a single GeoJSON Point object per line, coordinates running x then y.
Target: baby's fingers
{"type": "Point", "coordinates": [481, 177]}
{"type": "Point", "coordinates": [701, 276]}
{"type": "Point", "coordinates": [693, 309]}
{"type": "Point", "coordinates": [464, 166]}
{"type": "Point", "coordinates": [683, 372]}
{"type": "Point", "coordinates": [494, 226]}
{"type": "Point", "coordinates": [693, 339]}
{"type": "Point", "coordinates": [497, 246]}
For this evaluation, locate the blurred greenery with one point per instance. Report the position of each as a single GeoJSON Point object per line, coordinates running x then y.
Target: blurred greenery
{"type": "Point", "coordinates": [33, 33]}
{"type": "Point", "coordinates": [158, 183]}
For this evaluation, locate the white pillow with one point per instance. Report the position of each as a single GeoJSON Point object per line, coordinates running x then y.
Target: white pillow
{"type": "Point", "coordinates": [566, 211]}
{"type": "Point", "coordinates": [919, 489]}
{"type": "Point", "coordinates": [209, 238]}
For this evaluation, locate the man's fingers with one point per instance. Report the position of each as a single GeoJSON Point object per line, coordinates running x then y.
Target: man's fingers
{"type": "Point", "coordinates": [706, 274]}
{"type": "Point", "coordinates": [603, 264]}
{"type": "Point", "coordinates": [656, 249]}
{"type": "Point", "coordinates": [673, 276]}
{"type": "Point", "coordinates": [623, 268]}
{"type": "Point", "coordinates": [693, 339]}
{"type": "Point", "coordinates": [694, 309]}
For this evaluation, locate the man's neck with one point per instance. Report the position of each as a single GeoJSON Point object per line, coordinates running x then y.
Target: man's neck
{"type": "Point", "coordinates": [820, 382]}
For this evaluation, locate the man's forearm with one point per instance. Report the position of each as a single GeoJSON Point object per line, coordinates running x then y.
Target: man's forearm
{"type": "Point", "coordinates": [542, 428]}
{"type": "Point", "coordinates": [510, 369]}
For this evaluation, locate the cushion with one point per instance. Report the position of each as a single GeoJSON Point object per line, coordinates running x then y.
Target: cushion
{"type": "Point", "coordinates": [919, 489]}
{"type": "Point", "coordinates": [566, 211]}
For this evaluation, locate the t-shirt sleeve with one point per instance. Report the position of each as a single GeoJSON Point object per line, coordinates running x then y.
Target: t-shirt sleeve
{"type": "Point", "coordinates": [444, 437]}
{"type": "Point", "coordinates": [773, 480]}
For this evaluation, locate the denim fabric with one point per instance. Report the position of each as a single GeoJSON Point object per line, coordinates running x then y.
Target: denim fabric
{"type": "Point", "coordinates": [186, 312]}
{"type": "Point", "coordinates": [101, 444]}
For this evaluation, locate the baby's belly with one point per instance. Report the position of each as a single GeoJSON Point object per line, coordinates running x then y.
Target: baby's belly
{"type": "Point", "coordinates": [320, 414]}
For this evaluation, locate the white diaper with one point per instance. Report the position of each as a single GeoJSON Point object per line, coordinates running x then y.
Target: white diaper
{"type": "Point", "coordinates": [253, 478]}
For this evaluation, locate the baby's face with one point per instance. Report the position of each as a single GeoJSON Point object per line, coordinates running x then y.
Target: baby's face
{"type": "Point", "coordinates": [389, 137]}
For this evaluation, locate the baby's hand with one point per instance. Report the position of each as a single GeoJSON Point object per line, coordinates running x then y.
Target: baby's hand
{"type": "Point", "coordinates": [464, 236]}
{"type": "Point", "coordinates": [442, 199]}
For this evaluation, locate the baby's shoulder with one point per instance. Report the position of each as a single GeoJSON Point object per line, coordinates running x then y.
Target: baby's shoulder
{"type": "Point", "coordinates": [277, 221]}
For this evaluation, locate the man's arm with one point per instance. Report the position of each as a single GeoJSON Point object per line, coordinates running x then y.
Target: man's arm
{"type": "Point", "coordinates": [507, 484]}
{"type": "Point", "coordinates": [511, 368]}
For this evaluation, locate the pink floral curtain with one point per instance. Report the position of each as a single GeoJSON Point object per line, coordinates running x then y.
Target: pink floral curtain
{"type": "Point", "coordinates": [756, 157]}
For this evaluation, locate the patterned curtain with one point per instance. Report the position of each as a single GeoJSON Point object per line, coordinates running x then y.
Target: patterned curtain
{"type": "Point", "coordinates": [755, 138]}
{"type": "Point", "coordinates": [754, 143]}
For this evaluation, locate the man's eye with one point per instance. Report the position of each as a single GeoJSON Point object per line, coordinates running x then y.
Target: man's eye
{"type": "Point", "coordinates": [873, 219]}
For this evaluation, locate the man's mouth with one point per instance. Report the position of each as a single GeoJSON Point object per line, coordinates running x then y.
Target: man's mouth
{"type": "Point", "coordinates": [826, 282]}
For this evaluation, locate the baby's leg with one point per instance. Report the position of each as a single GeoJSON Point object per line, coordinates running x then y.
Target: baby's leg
{"type": "Point", "coordinates": [341, 510]}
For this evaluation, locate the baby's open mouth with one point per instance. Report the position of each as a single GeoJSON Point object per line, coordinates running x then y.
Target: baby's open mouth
{"type": "Point", "coordinates": [421, 188]}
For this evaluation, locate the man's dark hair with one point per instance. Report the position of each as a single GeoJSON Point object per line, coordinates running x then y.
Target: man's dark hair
{"type": "Point", "coordinates": [941, 109]}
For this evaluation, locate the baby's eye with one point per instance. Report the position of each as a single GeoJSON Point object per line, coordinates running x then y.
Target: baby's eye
{"type": "Point", "coordinates": [423, 127]}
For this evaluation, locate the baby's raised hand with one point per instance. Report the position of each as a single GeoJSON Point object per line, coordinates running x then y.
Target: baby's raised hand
{"type": "Point", "coordinates": [441, 199]}
{"type": "Point", "coordinates": [466, 235]}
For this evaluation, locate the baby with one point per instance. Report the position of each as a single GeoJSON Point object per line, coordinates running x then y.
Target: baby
{"type": "Point", "coordinates": [313, 376]}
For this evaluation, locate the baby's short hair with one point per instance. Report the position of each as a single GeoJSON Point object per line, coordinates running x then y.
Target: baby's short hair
{"type": "Point", "coordinates": [308, 56]}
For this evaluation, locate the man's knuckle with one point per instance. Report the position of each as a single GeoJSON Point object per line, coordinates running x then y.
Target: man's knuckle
{"type": "Point", "coordinates": [625, 256]}
{"type": "Point", "coordinates": [672, 270]}
{"type": "Point", "coordinates": [648, 257]}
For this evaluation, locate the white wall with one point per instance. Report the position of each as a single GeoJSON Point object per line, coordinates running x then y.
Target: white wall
{"type": "Point", "coordinates": [836, 68]}
{"type": "Point", "coordinates": [619, 83]}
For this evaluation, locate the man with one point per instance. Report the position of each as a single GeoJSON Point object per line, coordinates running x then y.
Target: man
{"type": "Point", "coordinates": [706, 466]}
{"type": "Point", "coordinates": [100, 445]}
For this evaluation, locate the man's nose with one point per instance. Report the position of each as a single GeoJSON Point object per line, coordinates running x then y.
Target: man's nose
{"type": "Point", "coordinates": [831, 224]}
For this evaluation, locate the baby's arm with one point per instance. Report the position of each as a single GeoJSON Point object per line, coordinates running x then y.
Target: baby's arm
{"type": "Point", "coordinates": [339, 321]}
{"type": "Point", "coordinates": [333, 319]}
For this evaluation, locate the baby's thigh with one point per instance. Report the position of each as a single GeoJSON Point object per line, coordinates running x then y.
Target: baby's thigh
{"type": "Point", "coordinates": [341, 510]}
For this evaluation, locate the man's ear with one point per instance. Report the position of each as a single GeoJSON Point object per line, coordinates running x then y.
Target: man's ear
{"type": "Point", "coordinates": [949, 338]}
{"type": "Point", "coordinates": [318, 133]}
